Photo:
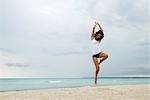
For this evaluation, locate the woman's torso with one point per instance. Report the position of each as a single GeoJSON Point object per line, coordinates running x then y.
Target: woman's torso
{"type": "Point", "coordinates": [95, 46]}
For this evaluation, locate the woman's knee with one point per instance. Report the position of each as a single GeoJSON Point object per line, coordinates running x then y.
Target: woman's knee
{"type": "Point", "coordinates": [106, 55]}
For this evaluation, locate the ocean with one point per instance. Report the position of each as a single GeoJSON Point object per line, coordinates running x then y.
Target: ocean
{"type": "Point", "coordinates": [16, 84]}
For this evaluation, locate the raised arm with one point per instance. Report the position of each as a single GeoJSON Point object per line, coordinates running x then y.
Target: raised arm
{"type": "Point", "coordinates": [93, 32]}
{"type": "Point", "coordinates": [100, 26]}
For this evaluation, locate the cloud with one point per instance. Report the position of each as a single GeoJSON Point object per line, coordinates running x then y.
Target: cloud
{"type": "Point", "coordinates": [40, 32]}
{"type": "Point", "coordinates": [70, 53]}
{"type": "Point", "coordinates": [144, 42]}
{"type": "Point", "coordinates": [9, 58]}
{"type": "Point", "coordinates": [3, 50]}
{"type": "Point", "coordinates": [16, 65]}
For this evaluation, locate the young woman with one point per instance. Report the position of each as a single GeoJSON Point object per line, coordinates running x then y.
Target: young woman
{"type": "Point", "coordinates": [98, 55]}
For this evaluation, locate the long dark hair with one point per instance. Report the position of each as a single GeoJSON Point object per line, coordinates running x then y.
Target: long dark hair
{"type": "Point", "coordinates": [99, 32]}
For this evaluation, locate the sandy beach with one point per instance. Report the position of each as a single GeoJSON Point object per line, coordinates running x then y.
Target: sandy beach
{"type": "Point", "coordinates": [118, 92]}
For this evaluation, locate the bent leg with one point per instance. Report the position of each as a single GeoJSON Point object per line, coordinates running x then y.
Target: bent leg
{"type": "Point", "coordinates": [103, 56]}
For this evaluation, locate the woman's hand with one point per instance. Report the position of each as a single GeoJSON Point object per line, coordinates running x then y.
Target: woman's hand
{"type": "Point", "coordinates": [96, 23]}
{"type": "Point", "coordinates": [99, 26]}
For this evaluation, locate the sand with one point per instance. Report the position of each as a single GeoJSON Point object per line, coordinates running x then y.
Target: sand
{"type": "Point", "coordinates": [119, 92]}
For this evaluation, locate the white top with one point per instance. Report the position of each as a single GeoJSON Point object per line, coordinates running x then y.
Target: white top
{"type": "Point", "coordinates": [95, 46]}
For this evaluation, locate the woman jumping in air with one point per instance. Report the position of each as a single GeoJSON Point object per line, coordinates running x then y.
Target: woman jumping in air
{"type": "Point", "coordinates": [98, 55]}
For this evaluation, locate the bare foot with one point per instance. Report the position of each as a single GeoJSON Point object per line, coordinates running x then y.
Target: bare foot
{"type": "Point", "coordinates": [100, 60]}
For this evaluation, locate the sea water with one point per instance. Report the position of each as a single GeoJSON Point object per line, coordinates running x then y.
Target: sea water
{"type": "Point", "coordinates": [14, 84]}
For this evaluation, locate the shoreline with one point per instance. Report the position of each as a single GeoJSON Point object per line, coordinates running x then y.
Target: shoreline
{"type": "Point", "coordinates": [74, 87]}
{"type": "Point", "coordinates": [123, 92]}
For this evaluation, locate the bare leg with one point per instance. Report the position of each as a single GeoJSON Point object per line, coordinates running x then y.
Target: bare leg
{"type": "Point", "coordinates": [96, 75]}
{"type": "Point", "coordinates": [95, 60]}
{"type": "Point", "coordinates": [103, 56]}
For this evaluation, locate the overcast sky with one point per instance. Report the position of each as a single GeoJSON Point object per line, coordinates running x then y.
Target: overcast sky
{"type": "Point", "coordinates": [51, 38]}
